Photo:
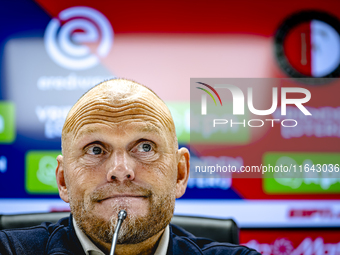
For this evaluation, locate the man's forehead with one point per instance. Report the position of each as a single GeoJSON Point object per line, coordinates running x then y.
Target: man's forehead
{"type": "Point", "coordinates": [116, 102]}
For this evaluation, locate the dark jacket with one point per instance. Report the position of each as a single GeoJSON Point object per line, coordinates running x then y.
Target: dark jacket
{"type": "Point", "coordinates": [60, 238]}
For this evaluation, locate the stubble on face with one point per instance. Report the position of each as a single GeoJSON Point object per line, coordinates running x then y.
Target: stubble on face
{"type": "Point", "coordinates": [135, 229]}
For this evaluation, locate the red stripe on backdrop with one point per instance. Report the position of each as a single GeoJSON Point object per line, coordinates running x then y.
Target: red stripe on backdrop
{"type": "Point", "coordinates": [216, 16]}
{"type": "Point", "coordinates": [297, 47]}
{"type": "Point", "coordinates": [292, 241]}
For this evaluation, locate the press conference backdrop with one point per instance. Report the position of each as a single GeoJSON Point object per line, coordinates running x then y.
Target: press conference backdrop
{"type": "Point", "coordinates": [53, 52]}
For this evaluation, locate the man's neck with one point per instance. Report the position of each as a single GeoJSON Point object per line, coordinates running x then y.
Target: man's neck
{"type": "Point", "coordinates": [146, 247]}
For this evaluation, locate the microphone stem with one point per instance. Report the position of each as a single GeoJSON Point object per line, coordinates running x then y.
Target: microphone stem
{"type": "Point", "coordinates": [121, 218]}
{"type": "Point", "coordinates": [115, 237]}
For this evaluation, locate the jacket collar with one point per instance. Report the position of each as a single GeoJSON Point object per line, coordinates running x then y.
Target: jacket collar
{"type": "Point", "coordinates": [63, 239]}
{"type": "Point", "coordinates": [180, 242]}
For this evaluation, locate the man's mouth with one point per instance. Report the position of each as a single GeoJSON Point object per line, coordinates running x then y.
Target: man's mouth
{"type": "Point", "coordinates": [123, 196]}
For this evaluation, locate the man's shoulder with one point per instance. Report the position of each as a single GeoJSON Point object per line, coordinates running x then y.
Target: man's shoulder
{"type": "Point", "coordinates": [183, 242]}
{"type": "Point", "coordinates": [24, 240]}
{"type": "Point", "coordinates": [36, 240]}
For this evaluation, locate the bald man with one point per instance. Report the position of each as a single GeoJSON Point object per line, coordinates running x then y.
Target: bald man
{"type": "Point", "coordinates": [119, 151]}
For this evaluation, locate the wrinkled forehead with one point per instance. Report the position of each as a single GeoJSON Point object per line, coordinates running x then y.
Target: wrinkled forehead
{"type": "Point", "coordinates": [118, 102]}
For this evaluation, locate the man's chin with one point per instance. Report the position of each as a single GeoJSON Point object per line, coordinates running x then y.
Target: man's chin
{"type": "Point", "coordinates": [134, 206]}
{"type": "Point", "coordinates": [135, 229]}
{"type": "Point", "coordinates": [145, 218]}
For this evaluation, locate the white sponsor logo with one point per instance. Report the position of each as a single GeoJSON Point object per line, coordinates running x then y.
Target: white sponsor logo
{"type": "Point", "coordinates": [53, 117]}
{"type": "Point", "coordinates": [3, 164]}
{"type": "Point", "coordinates": [46, 171]}
{"type": "Point", "coordinates": [65, 44]}
{"type": "Point", "coordinates": [324, 122]}
{"type": "Point", "coordinates": [306, 247]}
{"type": "Point", "coordinates": [2, 124]}
{"type": "Point", "coordinates": [69, 82]}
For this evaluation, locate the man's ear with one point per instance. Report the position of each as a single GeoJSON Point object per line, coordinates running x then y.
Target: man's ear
{"type": "Point", "coordinates": [60, 176]}
{"type": "Point", "coordinates": [183, 170]}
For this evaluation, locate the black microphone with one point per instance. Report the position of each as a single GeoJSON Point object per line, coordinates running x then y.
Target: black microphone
{"type": "Point", "coordinates": [121, 217]}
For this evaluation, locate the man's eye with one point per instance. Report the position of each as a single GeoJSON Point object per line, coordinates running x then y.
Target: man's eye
{"type": "Point", "coordinates": [95, 150]}
{"type": "Point", "coordinates": [144, 147]}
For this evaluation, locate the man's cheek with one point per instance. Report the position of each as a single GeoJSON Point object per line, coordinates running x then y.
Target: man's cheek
{"type": "Point", "coordinates": [82, 177]}
{"type": "Point", "coordinates": [166, 171]}
{"type": "Point", "coordinates": [161, 176]}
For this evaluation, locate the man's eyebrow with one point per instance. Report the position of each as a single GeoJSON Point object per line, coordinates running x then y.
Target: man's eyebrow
{"type": "Point", "coordinates": [150, 129]}
{"type": "Point", "coordinates": [147, 128]}
{"type": "Point", "coordinates": [88, 130]}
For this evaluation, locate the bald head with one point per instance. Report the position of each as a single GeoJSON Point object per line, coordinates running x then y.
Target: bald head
{"type": "Point", "coordinates": [115, 102]}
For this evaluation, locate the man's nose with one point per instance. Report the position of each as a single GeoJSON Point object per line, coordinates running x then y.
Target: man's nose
{"type": "Point", "coordinates": [121, 167]}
